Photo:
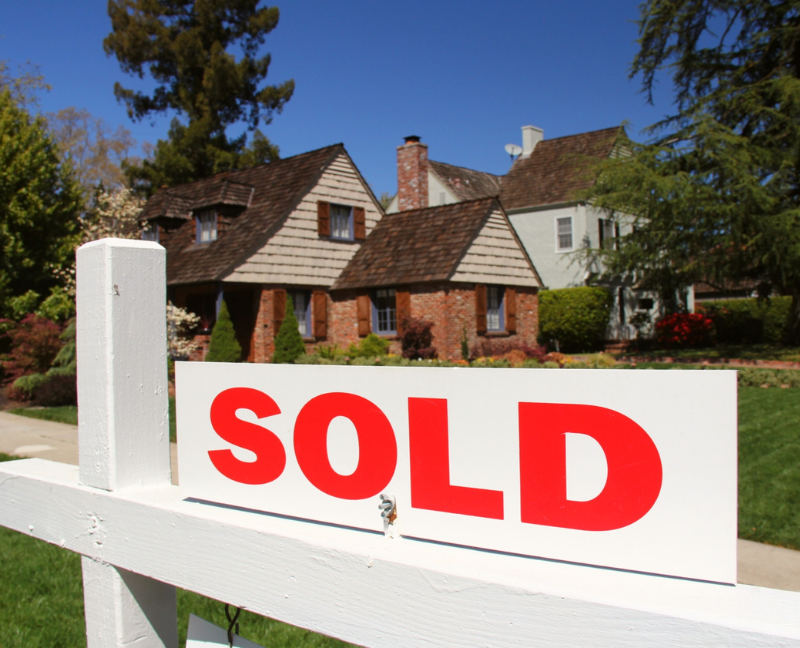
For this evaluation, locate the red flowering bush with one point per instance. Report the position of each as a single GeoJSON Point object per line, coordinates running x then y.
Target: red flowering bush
{"type": "Point", "coordinates": [417, 340]}
{"type": "Point", "coordinates": [685, 330]}
{"type": "Point", "coordinates": [35, 343]}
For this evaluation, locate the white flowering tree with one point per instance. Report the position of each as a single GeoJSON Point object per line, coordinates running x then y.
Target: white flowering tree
{"type": "Point", "coordinates": [180, 327]}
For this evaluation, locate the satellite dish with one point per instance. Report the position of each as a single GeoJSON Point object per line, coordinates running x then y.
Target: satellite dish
{"type": "Point", "coordinates": [513, 150]}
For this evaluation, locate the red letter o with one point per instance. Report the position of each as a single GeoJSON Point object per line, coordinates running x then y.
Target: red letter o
{"type": "Point", "coordinates": [377, 447]}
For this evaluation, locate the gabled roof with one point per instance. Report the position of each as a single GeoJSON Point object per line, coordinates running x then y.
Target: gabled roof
{"type": "Point", "coordinates": [267, 193]}
{"type": "Point", "coordinates": [557, 170]}
{"type": "Point", "coordinates": [466, 184]}
{"type": "Point", "coordinates": [416, 246]}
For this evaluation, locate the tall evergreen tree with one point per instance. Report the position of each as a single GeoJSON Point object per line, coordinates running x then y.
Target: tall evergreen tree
{"type": "Point", "coordinates": [714, 195]}
{"type": "Point", "coordinates": [288, 343]}
{"type": "Point", "coordinates": [186, 46]}
{"type": "Point", "coordinates": [223, 346]}
{"type": "Point", "coordinates": [39, 205]}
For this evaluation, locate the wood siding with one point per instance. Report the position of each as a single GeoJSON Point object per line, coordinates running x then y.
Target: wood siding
{"type": "Point", "coordinates": [495, 257]}
{"type": "Point", "coordinates": [297, 254]}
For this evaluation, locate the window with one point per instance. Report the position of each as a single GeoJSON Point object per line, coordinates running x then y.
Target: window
{"type": "Point", "coordinates": [494, 308]}
{"type": "Point", "coordinates": [646, 303]}
{"type": "Point", "coordinates": [564, 233]}
{"type": "Point", "coordinates": [607, 230]}
{"type": "Point", "coordinates": [341, 222]}
{"type": "Point", "coordinates": [384, 311]}
{"type": "Point", "coordinates": [302, 311]}
{"type": "Point", "coordinates": [150, 232]}
{"type": "Point", "coordinates": [206, 226]}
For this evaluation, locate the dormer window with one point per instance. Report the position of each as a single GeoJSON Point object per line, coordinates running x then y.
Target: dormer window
{"type": "Point", "coordinates": [150, 232]}
{"type": "Point", "coordinates": [206, 226]}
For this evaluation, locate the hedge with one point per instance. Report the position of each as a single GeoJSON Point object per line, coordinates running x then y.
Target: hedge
{"type": "Point", "coordinates": [750, 321]}
{"type": "Point", "coordinates": [575, 317]}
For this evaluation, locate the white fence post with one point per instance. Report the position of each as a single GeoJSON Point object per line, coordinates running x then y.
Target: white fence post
{"type": "Point", "coordinates": [123, 425]}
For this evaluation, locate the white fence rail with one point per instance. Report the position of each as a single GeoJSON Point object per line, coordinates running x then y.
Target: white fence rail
{"type": "Point", "coordinates": [140, 539]}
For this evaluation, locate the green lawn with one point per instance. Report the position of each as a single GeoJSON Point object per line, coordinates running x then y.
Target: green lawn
{"type": "Point", "coordinates": [69, 414]}
{"type": "Point", "coordinates": [729, 351]}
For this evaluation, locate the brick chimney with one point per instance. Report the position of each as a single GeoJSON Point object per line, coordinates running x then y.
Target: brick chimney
{"type": "Point", "coordinates": [412, 174]}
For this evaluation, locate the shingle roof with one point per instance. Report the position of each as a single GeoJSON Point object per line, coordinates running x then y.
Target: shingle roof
{"type": "Point", "coordinates": [416, 246]}
{"type": "Point", "coordinates": [275, 189]}
{"type": "Point", "coordinates": [466, 184]}
{"type": "Point", "coordinates": [557, 169]}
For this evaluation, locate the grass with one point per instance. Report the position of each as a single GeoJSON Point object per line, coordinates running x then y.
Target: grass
{"type": "Point", "coordinates": [769, 466]}
{"type": "Point", "coordinates": [69, 414]}
{"type": "Point", "coordinates": [64, 414]}
{"type": "Point", "coordinates": [728, 351]}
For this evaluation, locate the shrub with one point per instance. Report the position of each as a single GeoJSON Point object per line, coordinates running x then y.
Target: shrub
{"type": "Point", "coordinates": [417, 340]}
{"type": "Point", "coordinates": [223, 346]}
{"type": "Point", "coordinates": [575, 319]}
{"type": "Point", "coordinates": [685, 330]}
{"type": "Point", "coordinates": [289, 343]}
{"type": "Point", "coordinates": [56, 391]}
{"type": "Point", "coordinates": [24, 388]}
{"type": "Point", "coordinates": [489, 348]}
{"type": "Point", "coordinates": [372, 345]}
{"type": "Point", "coordinates": [35, 342]}
{"type": "Point", "coordinates": [750, 321]}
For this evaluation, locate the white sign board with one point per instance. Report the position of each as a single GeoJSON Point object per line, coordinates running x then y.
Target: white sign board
{"type": "Point", "coordinates": [635, 470]}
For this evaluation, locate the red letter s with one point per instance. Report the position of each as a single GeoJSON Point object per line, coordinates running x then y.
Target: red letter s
{"type": "Point", "coordinates": [270, 455]}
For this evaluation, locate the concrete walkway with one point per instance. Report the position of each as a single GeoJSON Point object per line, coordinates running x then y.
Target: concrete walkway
{"type": "Point", "coordinates": [27, 437]}
{"type": "Point", "coordinates": [758, 564]}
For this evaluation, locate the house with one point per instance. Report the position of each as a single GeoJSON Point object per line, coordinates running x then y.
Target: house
{"type": "Point", "coordinates": [254, 236]}
{"type": "Point", "coordinates": [459, 266]}
{"type": "Point", "coordinates": [540, 194]}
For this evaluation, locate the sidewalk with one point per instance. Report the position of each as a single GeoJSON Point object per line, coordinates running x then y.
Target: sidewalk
{"type": "Point", "coordinates": [27, 437]}
{"type": "Point", "coordinates": [758, 564]}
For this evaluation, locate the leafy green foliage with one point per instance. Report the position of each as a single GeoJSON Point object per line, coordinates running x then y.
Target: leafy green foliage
{"type": "Point", "coordinates": [575, 317]}
{"type": "Point", "coordinates": [288, 343]}
{"type": "Point", "coordinates": [186, 47]}
{"type": "Point", "coordinates": [223, 346]}
{"type": "Point", "coordinates": [39, 206]}
{"type": "Point", "coordinates": [750, 321]}
{"type": "Point", "coordinates": [373, 345]}
{"type": "Point", "coordinates": [714, 195]}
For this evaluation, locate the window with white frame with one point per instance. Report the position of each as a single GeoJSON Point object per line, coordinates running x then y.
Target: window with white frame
{"type": "Point", "coordinates": [150, 232]}
{"type": "Point", "coordinates": [384, 311]}
{"type": "Point", "coordinates": [206, 226]}
{"type": "Point", "coordinates": [564, 233]}
{"type": "Point", "coordinates": [494, 308]}
{"type": "Point", "coordinates": [342, 222]}
{"type": "Point", "coordinates": [301, 301]}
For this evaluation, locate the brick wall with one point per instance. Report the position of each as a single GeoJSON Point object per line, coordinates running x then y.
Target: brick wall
{"type": "Point", "coordinates": [451, 308]}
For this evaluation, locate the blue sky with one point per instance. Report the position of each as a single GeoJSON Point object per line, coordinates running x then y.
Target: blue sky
{"type": "Point", "coordinates": [463, 76]}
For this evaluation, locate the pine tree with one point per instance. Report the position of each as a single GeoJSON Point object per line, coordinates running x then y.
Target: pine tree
{"type": "Point", "coordinates": [188, 47]}
{"type": "Point", "coordinates": [714, 196]}
{"type": "Point", "coordinates": [288, 343]}
{"type": "Point", "coordinates": [223, 346]}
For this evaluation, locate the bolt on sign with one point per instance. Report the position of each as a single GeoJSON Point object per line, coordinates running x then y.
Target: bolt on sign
{"type": "Point", "coordinates": [633, 470]}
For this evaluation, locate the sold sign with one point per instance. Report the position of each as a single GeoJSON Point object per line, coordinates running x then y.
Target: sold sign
{"type": "Point", "coordinates": [625, 469]}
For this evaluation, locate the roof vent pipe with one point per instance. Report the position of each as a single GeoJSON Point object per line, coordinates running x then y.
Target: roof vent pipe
{"type": "Point", "coordinates": [531, 136]}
